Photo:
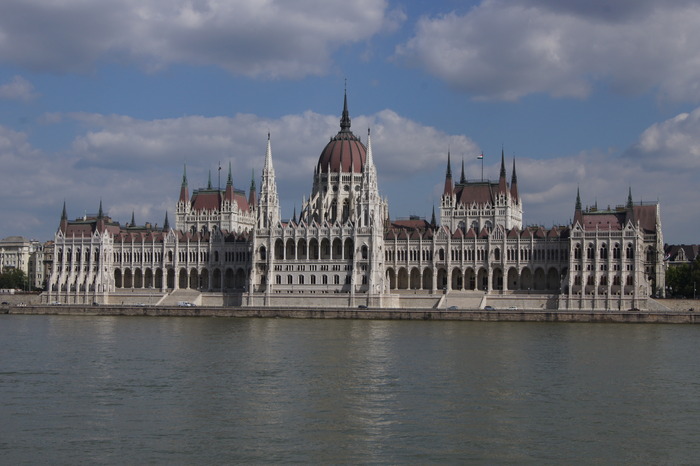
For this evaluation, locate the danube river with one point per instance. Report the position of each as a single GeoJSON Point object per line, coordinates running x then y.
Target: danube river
{"type": "Point", "coordinates": [123, 390]}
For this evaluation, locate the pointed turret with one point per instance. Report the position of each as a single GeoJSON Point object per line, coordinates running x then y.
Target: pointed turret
{"type": "Point", "coordinates": [166, 224]}
{"type": "Point", "coordinates": [449, 188]}
{"type": "Point", "coordinates": [100, 219]}
{"type": "Point", "coordinates": [184, 193]}
{"type": "Point", "coordinates": [228, 195]}
{"type": "Point", "coordinates": [514, 185]}
{"type": "Point", "coordinates": [578, 211]}
{"type": "Point", "coordinates": [209, 182]}
{"type": "Point", "coordinates": [630, 202]}
{"type": "Point", "coordinates": [502, 186]}
{"type": "Point", "coordinates": [462, 178]}
{"type": "Point", "coordinates": [269, 212]}
{"type": "Point", "coordinates": [252, 194]}
{"type": "Point", "coordinates": [133, 222]}
{"type": "Point", "coordinates": [433, 222]}
{"type": "Point", "coordinates": [63, 226]}
{"type": "Point", "coordinates": [630, 206]}
{"type": "Point", "coordinates": [369, 160]}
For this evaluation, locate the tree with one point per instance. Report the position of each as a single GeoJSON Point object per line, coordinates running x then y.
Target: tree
{"type": "Point", "coordinates": [684, 280]}
{"type": "Point", "coordinates": [13, 278]}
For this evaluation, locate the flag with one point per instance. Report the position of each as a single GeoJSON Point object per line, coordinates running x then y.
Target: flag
{"type": "Point", "coordinates": [480, 156]}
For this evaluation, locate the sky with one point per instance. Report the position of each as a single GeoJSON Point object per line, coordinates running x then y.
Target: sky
{"type": "Point", "coordinates": [107, 101]}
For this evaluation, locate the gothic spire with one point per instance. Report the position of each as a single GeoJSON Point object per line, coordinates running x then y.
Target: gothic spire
{"type": "Point", "coordinates": [133, 222]}
{"type": "Point", "coordinates": [433, 223]}
{"type": "Point", "coordinates": [448, 176]}
{"type": "Point", "coordinates": [184, 193]}
{"type": "Point", "coordinates": [345, 119]}
{"type": "Point", "coordinates": [578, 199]}
{"type": "Point", "coordinates": [252, 198]}
{"type": "Point", "coordinates": [630, 202]}
{"type": "Point", "coordinates": [514, 184]}
{"type": "Point", "coordinates": [578, 212]}
{"type": "Point", "coordinates": [100, 214]}
{"type": "Point", "coordinates": [369, 159]}
{"type": "Point", "coordinates": [209, 182]}
{"type": "Point", "coordinates": [502, 187]}
{"type": "Point", "coordinates": [503, 164]}
{"type": "Point", "coordinates": [229, 181]}
{"type": "Point", "coordinates": [166, 224]}
{"type": "Point", "coordinates": [63, 226]}
{"type": "Point", "coordinates": [462, 178]}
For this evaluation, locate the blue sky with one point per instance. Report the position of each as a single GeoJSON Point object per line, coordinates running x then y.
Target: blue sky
{"type": "Point", "coordinates": [107, 100]}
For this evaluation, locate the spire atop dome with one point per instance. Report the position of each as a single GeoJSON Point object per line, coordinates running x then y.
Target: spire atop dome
{"type": "Point", "coordinates": [345, 119]}
{"type": "Point", "coordinates": [344, 153]}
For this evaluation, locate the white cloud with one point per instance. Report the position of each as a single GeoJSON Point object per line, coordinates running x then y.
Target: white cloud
{"type": "Point", "coordinates": [506, 50]}
{"type": "Point", "coordinates": [270, 38]}
{"type": "Point", "coordinates": [17, 89]}
{"type": "Point", "coordinates": [670, 146]}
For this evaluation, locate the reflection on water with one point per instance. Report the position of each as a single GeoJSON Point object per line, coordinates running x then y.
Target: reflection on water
{"type": "Point", "coordinates": [196, 390]}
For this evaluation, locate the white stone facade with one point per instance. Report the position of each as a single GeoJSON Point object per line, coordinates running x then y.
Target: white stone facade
{"type": "Point", "coordinates": [343, 250]}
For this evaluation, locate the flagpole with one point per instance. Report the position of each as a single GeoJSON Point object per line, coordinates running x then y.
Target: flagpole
{"type": "Point", "coordinates": [481, 157]}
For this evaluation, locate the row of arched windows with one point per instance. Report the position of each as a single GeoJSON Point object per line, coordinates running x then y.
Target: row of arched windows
{"type": "Point", "coordinates": [603, 251]}
{"type": "Point", "coordinates": [78, 255]}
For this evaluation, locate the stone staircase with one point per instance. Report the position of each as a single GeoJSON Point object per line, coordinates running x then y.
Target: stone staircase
{"type": "Point", "coordinates": [462, 300]}
{"type": "Point", "coordinates": [173, 298]}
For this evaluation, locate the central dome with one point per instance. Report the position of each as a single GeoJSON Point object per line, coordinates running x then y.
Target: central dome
{"type": "Point", "coordinates": [344, 152]}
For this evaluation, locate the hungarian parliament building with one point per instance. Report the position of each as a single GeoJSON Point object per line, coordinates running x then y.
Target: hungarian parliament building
{"type": "Point", "coordinates": [229, 247]}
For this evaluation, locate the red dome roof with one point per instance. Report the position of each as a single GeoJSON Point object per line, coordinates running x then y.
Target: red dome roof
{"type": "Point", "coordinates": [344, 152]}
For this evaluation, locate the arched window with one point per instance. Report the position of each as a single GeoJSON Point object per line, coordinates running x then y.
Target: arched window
{"type": "Point", "coordinates": [629, 252]}
{"type": "Point", "coordinates": [604, 251]}
{"type": "Point", "coordinates": [616, 251]}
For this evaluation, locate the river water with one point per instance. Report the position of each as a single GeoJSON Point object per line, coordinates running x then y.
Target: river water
{"type": "Point", "coordinates": [121, 390]}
